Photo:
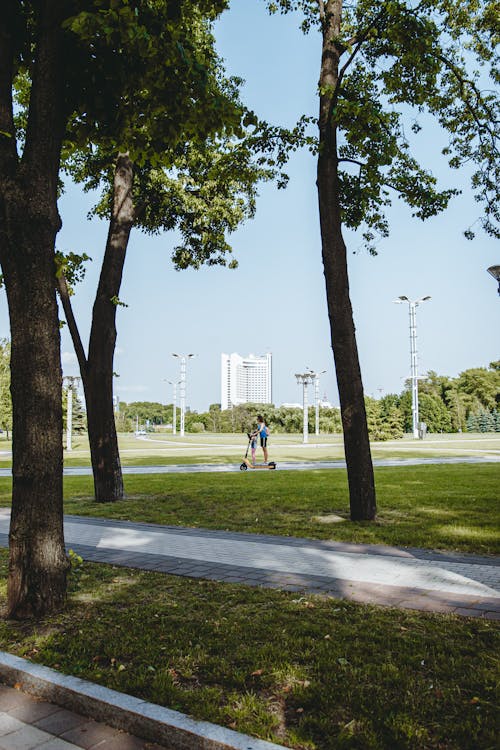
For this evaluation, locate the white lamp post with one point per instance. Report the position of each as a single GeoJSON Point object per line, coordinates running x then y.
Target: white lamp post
{"type": "Point", "coordinates": [174, 384]}
{"type": "Point", "coordinates": [183, 358]}
{"type": "Point", "coordinates": [316, 396]}
{"type": "Point", "coordinates": [495, 272]}
{"type": "Point", "coordinates": [72, 382]}
{"type": "Point", "coordinates": [413, 304]}
{"type": "Point", "coordinates": [306, 378]}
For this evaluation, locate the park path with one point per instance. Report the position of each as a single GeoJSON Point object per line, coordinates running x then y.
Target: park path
{"type": "Point", "coordinates": [82, 471]}
{"type": "Point", "coordinates": [431, 581]}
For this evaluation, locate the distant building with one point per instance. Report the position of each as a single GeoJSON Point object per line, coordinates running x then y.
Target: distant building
{"type": "Point", "coordinates": [246, 379]}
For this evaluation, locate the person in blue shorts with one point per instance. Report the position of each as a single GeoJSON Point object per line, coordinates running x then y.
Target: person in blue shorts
{"type": "Point", "coordinates": [262, 431]}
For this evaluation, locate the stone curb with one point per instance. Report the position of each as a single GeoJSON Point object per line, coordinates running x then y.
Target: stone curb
{"type": "Point", "coordinates": [147, 720]}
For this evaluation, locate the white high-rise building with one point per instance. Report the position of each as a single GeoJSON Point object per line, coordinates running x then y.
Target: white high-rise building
{"type": "Point", "coordinates": [246, 379]}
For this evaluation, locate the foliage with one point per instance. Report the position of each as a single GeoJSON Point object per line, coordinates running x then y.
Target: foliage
{"type": "Point", "coordinates": [400, 61]}
{"type": "Point", "coordinates": [5, 397]}
{"type": "Point", "coordinates": [470, 402]}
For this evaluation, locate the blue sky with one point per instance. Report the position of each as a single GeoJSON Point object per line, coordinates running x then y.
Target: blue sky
{"type": "Point", "coordinates": [275, 301]}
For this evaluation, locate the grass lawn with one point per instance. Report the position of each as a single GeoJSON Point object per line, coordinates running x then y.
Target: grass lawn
{"type": "Point", "coordinates": [452, 507]}
{"type": "Point", "coordinates": [308, 672]}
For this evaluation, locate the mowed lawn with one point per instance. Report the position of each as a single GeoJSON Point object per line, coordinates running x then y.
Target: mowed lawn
{"type": "Point", "coordinates": [311, 672]}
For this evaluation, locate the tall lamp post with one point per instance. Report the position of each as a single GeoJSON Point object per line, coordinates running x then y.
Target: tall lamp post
{"type": "Point", "coordinates": [183, 359]}
{"type": "Point", "coordinates": [306, 378]}
{"type": "Point", "coordinates": [495, 272]}
{"type": "Point", "coordinates": [316, 396]}
{"type": "Point", "coordinates": [413, 304]}
{"type": "Point", "coordinates": [174, 384]}
{"type": "Point", "coordinates": [72, 381]}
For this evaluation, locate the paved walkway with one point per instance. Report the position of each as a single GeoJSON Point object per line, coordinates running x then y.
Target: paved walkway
{"type": "Point", "coordinates": [401, 577]}
{"type": "Point", "coordinates": [27, 723]}
{"type": "Point", "coordinates": [82, 471]}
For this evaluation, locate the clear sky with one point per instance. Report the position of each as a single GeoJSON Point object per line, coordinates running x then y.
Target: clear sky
{"type": "Point", "coordinates": [275, 301]}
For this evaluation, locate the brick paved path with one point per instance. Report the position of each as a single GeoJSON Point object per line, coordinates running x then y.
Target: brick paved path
{"type": "Point", "coordinates": [409, 578]}
{"type": "Point", "coordinates": [27, 723]}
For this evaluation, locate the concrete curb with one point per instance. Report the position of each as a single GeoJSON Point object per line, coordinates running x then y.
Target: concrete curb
{"type": "Point", "coordinates": [148, 720]}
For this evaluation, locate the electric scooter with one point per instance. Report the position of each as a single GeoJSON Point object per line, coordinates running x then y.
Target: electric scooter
{"type": "Point", "coordinates": [247, 464]}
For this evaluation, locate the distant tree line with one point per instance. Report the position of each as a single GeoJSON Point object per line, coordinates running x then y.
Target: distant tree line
{"type": "Point", "coordinates": [467, 403]}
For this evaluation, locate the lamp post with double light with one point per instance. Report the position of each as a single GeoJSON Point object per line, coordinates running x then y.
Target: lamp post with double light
{"type": "Point", "coordinates": [413, 304]}
{"type": "Point", "coordinates": [316, 396]}
{"type": "Point", "coordinates": [182, 382]}
{"type": "Point", "coordinates": [174, 384]}
{"type": "Point", "coordinates": [306, 379]}
{"type": "Point", "coordinates": [72, 381]}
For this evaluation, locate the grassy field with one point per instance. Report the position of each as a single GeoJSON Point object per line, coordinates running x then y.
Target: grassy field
{"type": "Point", "coordinates": [452, 507]}
{"type": "Point", "coordinates": [309, 672]}
{"type": "Point", "coordinates": [160, 449]}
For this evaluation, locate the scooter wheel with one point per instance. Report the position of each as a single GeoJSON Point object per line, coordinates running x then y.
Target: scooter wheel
{"type": "Point", "coordinates": [272, 465]}
{"type": "Point", "coordinates": [243, 467]}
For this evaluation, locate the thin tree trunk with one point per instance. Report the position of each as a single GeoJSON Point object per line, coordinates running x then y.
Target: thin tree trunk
{"type": "Point", "coordinates": [343, 337]}
{"type": "Point", "coordinates": [97, 368]}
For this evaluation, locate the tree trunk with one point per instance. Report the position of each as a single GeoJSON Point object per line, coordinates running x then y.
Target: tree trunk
{"type": "Point", "coordinates": [38, 563]}
{"type": "Point", "coordinates": [29, 222]}
{"type": "Point", "coordinates": [97, 368]}
{"type": "Point", "coordinates": [343, 337]}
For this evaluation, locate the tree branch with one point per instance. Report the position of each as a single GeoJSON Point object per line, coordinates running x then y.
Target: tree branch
{"type": "Point", "coordinates": [62, 288]}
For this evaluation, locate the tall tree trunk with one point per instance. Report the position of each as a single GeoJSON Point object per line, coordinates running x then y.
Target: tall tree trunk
{"type": "Point", "coordinates": [343, 337]}
{"type": "Point", "coordinates": [97, 368]}
{"type": "Point", "coordinates": [29, 222]}
{"type": "Point", "coordinates": [38, 563]}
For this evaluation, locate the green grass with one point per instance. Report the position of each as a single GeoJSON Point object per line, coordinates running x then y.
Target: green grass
{"type": "Point", "coordinates": [312, 673]}
{"type": "Point", "coordinates": [452, 507]}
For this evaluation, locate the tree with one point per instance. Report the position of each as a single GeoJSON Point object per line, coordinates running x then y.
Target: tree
{"type": "Point", "coordinates": [78, 69]}
{"type": "Point", "coordinates": [379, 60]}
{"type": "Point", "coordinates": [198, 177]}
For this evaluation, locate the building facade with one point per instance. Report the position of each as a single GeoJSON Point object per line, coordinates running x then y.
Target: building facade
{"type": "Point", "coordinates": [246, 379]}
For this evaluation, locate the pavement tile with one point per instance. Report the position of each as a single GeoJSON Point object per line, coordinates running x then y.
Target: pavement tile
{"type": "Point", "coordinates": [123, 741]}
{"type": "Point", "coordinates": [90, 734]}
{"type": "Point", "coordinates": [55, 743]}
{"type": "Point", "coordinates": [11, 699]}
{"type": "Point", "coordinates": [468, 612]}
{"type": "Point", "coordinates": [9, 724]}
{"type": "Point", "coordinates": [59, 722]}
{"type": "Point", "coordinates": [25, 738]}
{"type": "Point", "coordinates": [33, 711]}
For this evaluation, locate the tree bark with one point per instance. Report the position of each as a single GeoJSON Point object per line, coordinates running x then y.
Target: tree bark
{"type": "Point", "coordinates": [97, 368]}
{"type": "Point", "coordinates": [343, 336]}
{"type": "Point", "coordinates": [29, 222]}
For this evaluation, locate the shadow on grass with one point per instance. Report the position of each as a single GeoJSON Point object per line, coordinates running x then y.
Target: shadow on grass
{"type": "Point", "coordinates": [295, 668]}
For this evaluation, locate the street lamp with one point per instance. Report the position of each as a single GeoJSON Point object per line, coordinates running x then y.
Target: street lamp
{"type": "Point", "coordinates": [413, 304]}
{"type": "Point", "coordinates": [174, 383]}
{"type": "Point", "coordinates": [316, 396]}
{"type": "Point", "coordinates": [495, 272]}
{"type": "Point", "coordinates": [183, 358]}
{"type": "Point", "coordinates": [72, 382]}
{"type": "Point", "coordinates": [306, 378]}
